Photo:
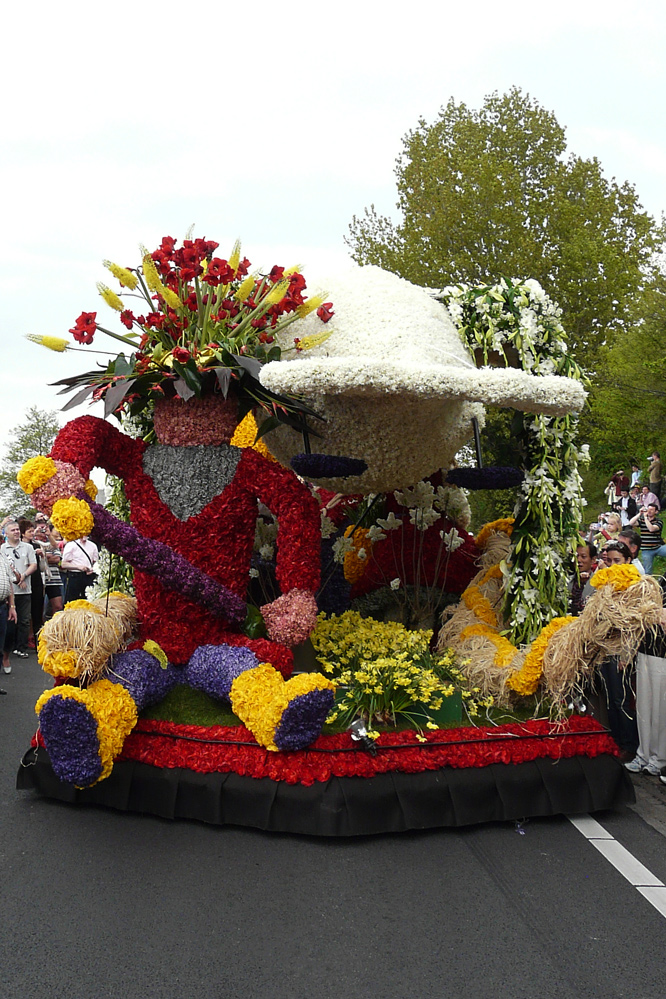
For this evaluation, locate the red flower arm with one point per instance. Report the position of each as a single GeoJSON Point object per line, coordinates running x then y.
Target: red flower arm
{"type": "Point", "coordinates": [297, 512]}
{"type": "Point", "coordinates": [89, 441]}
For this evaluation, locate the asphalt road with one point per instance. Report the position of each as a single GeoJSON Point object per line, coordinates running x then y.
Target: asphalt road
{"type": "Point", "coordinates": [102, 904]}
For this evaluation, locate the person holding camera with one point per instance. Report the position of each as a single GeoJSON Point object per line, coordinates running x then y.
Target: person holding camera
{"type": "Point", "coordinates": [650, 527]}
{"type": "Point", "coordinates": [77, 568]}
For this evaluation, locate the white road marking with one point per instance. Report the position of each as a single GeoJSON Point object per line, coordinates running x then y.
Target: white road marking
{"type": "Point", "coordinates": [637, 874]}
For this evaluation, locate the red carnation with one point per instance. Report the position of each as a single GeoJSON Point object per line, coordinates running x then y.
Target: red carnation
{"type": "Point", "coordinates": [181, 354]}
{"type": "Point", "coordinates": [84, 330]}
{"type": "Point", "coordinates": [325, 312]}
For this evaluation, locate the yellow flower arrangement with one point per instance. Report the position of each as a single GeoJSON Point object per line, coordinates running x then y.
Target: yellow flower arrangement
{"type": "Point", "coordinates": [526, 680]}
{"type": "Point", "coordinates": [354, 564]}
{"type": "Point", "coordinates": [72, 517]}
{"type": "Point", "coordinates": [113, 709]}
{"type": "Point", "coordinates": [35, 472]}
{"type": "Point", "coordinates": [480, 606]}
{"type": "Point", "coordinates": [245, 435]}
{"type": "Point", "coordinates": [502, 526]}
{"type": "Point", "coordinates": [620, 577]}
{"type": "Point", "coordinates": [260, 696]}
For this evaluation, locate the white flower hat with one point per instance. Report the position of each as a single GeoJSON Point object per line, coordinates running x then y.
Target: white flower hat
{"type": "Point", "coordinates": [395, 384]}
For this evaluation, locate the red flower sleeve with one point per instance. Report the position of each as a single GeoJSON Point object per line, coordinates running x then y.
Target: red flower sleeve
{"type": "Point", "coordinates": [88, 442]}
{"type": "Point", "coordinates": [297, 512]}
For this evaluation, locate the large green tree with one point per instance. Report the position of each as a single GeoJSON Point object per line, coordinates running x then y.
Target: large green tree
{"type": "Point", "coordinates": [491, 193]}
{"type": "Point", "coordinates": [627, 416]}
{"type": "Point", "coordinates": [34, 436]}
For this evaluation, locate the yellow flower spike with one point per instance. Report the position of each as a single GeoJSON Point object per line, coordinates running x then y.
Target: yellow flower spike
{"type": "Point", "coordinates": [307, 307]}
{"type": "Point", "coordinates": [91, 489]}
{"type": "Point", "coordinates": [150, 274]}
{"type": "Point", "coordinates": [52, 342]}
{"type": "Point", "coordinates": [313, 339]}
{"type": "Point", "coordinates": [234, 259]}
{"type": "Point", "coordinates": [110, 297]}
{"type": "Point", "coordinates": [35, 472]}
{"type": "Point", "coordinates": [170, 297]}
{"type": "Point", "coordinates": [126, 278]}
{"type": "Point", "coordinates": [245, 288]}
{"type": "Point", "coordinates": [277, 293]}
{"type": "Point", "coordinates": [291, 270]}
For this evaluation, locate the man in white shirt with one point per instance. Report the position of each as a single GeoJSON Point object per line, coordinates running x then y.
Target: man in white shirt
{"type": "Point", "coordinates": [22, 558]}
{"type": "Point", "coordinates": [7, 608]}
{"type": "Point", "coordinates": [78, 567]}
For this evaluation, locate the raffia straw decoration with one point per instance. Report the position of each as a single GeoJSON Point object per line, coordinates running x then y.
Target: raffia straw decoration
{"type": "Point", "coordinates": [90, 636]}
{"type": "Point", "coordinates": [122, 611]}
{"type": "Point", "coordinates": [613, 623]}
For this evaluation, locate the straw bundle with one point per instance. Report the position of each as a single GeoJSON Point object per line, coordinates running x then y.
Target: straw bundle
{"type": "Point", "coordinates": [613, 623]}
{"type": "Point", "coordinates": [122, 611]}
{"type": "Point", "coordinates": [78, 642]}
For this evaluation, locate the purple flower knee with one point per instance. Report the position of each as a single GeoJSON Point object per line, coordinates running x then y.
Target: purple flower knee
{"type": "Point", "coordinates": [213, 668]}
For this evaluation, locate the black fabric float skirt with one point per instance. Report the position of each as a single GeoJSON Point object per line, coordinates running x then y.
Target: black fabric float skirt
{"type": "Point", "coordinates": [350, 806]}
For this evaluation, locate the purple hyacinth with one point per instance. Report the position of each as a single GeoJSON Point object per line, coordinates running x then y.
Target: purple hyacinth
{"type": "Point", "coordinates": [143, 676]}
{"type": "Point", "coordinates": [302, 719]}
{"type": "Point", "coordinates": [213, 668]}
{"type": "Point", "coordinates": [70, 736]}
{"type": "Point", "coordinates": [172, 570]}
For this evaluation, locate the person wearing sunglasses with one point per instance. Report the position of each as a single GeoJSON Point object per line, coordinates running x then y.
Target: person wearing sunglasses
{"type": "Point", "coordinates": [23, 560]}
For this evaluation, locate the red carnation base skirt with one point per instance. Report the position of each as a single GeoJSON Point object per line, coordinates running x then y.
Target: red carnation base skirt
{"type": "Point", "coordinates": [458, 777]}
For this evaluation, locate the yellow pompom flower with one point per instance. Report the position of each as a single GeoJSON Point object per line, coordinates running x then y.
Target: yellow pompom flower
{"type": "Point", "coordinates": [72, 517]}
{"type": "Point", "coordinates": [126, 278]}
{"type": "Point", "coordinates": [91, 489]}
{"type": "Point", "coordinates": [83, 605]}
{"type": "Point", "coordinates": [35, 473]}
{"type": "Point", "coordinates": [59, 663]}
{"type": "Point", "coordinates": [110, 297]}
{"type": "Point", "coordinates": [620, 577]}
{"type": "Point", "coordinates": [52, 342]}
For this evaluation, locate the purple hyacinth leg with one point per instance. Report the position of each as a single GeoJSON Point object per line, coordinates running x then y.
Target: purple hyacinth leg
{"type": "Point", "coordinates": [70, 736]}
{"type": "Point", "coordinates": [144, 677]}
{"type": "Point", "coordinates": [302, 719]}
{"type": "Point", "coordinates": [213, 668]}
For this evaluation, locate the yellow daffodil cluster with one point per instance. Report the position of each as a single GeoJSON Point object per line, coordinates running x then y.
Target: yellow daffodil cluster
{"type": "Point", "coordinates": [35, 472]}
{"type": "Point", "coordinates": [72, 517]}
{"type": "Point", "coordinates": [387, 673]}
{"type": "Point", "coordinates": [620, 577]}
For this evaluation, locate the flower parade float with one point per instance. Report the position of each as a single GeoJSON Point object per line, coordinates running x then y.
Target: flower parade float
{"type": "Point", "coordinates": [380, 378]}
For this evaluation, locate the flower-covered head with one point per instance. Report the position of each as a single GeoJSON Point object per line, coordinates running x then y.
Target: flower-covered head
{"type": "Point", "coordinates": [209, 420]}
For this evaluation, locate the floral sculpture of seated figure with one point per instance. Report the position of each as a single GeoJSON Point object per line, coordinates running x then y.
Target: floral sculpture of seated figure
{"type": "Point", "coordinates": [193, 501]}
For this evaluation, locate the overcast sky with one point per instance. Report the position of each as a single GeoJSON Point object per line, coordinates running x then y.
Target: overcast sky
{"type": "Point", "coordinates": [275, 123]}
